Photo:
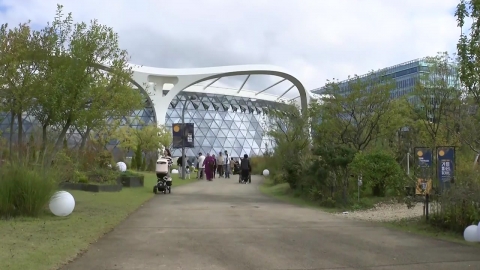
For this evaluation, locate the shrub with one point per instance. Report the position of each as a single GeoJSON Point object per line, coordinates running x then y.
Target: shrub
{"type": "Point", "coordinates": [329, 202]}
{"type": "Point", "coordinates": [260, 163]}
{"type": "Point", "coordinates": [459, 206]}
{"type": "Point", "coordinates": [25, 191]}
{"type": "Point", "coordinates": [65, 167]}
{"type": "Point", "coordinates": [129, 173]}
{"type": "Point", "coordinates": [103, 176]}
{"type": "Point", "coordinates": [104, 159]}
{"type": "Point", "coordinates": [380, 172]}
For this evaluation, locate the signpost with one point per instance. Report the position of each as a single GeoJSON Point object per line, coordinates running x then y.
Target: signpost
{"type": "Point", "coordinates": [183, 135]}
{"type": "Point", "coordinates": [424, 164]}
{"type": "Point", "coordinates": [445, 166]}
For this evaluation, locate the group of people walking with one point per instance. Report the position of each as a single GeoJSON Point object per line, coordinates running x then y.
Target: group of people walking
{"type": "Point", "coordinates": [210, 165]}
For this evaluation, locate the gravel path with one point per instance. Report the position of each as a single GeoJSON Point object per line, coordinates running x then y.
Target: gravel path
{"type": "Point", "coordinates": [386, 212]}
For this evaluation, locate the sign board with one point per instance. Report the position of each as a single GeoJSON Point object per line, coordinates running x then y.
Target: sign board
{"type": "Point", "coordinates": [445, 165]}
{"type": "Point", "coordinates": [183, 135]}
{"type": "Point", "coordinates": [423, 156]}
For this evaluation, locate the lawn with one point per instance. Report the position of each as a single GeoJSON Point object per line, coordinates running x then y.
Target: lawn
{"type": "Point", "coordinates": [49, 241]}
{"type": "Point", "coordinates": [284, 193]}
{"type": "Point", "coordinates": [420, 227]}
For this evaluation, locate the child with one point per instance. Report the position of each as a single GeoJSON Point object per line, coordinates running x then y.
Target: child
{"type": "Point", "coordinates": [232, 165]}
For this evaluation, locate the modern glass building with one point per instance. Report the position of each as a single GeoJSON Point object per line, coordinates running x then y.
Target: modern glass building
{"type": "Point", "coordinates": [223, 122]}
{"type": "Point", "coordinates": [405, 75]}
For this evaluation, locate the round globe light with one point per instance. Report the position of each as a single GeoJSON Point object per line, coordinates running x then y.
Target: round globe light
{"type": "Point", "coordinates": [478, 232]}
{"type": "Point", "coordinates": [470, 233]}
{"type": "Point", "coordinates": [121, 166]}
{"type": "Point", "coordinates": [266, 172]}
{"type": "Point", "coordinates": [174, 171]}
{"type": "Point", "coordinates": [62, 204]}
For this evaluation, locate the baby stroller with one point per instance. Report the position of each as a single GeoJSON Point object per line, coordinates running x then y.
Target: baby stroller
{"type": "Point", "coordinates": [243, 180]}
{"type": "Point", "coordinates": [164, 181]}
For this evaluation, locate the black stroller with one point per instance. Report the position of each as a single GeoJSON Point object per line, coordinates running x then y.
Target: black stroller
{"type": "Point", "coordinates": [164, 181]}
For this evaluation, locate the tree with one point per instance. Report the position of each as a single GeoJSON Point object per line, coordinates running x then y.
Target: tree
{"type": "Point", "coordinates": [379, 171]}
{"type": "Point", "coordinates": [288, 129]}
{"type": "Point", "coordinates": [74, 57]}
{"type": "Point", "coordinates": [468, 47]}
{"type": "Point", "coordinates": [153, 137]}
{"type": "Point", "coordinates": [109, 99]}
{"type": "Point", "coordinates": [138, 157]}
{"type": "Point", "coordinates": [126, 138]}
{"type": "Point", "coordinates": [146, 140]}
{"type": "Point", "coordinates": [468, 51]}
{"type": "Point", "coordinates": [437, 98]}
{"type": "Point", "coordinates": [353, 112]}
{"type": "Point", "coordinates": [18, 47]}
{"type": "Point", "coordinates": [337, 158]}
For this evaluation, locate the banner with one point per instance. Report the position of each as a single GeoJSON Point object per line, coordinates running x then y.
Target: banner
{"type": "Point", "coordinates": [423, 186]}
{"type": "Point", "coordinates": [424, 157]}
{"type": "Point", "coordinates": [445, 165]}
{"type": "Point", "coordinates": [183, 135]}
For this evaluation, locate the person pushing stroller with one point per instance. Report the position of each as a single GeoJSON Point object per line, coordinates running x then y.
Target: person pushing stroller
{"type": "Point", "coordinates": [245, 169]}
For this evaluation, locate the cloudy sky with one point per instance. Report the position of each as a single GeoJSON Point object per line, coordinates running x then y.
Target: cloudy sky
{"type": "Point", "coordinates": [315, 39]}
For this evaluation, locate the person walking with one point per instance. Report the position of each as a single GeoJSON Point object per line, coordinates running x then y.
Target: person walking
{"type": "Point", "coordinates": [246, 169]}
{"type": "Point", "coordinates": [168, 156]}
{"type": "Point", "coordinates": [201, 165]}
{"type": "Point", "coordinates": [214, 170]}
{"type": "Point", "coordinates": [220, 164]}
{"type": "Point", "coordinates": [226, 165]}
{"type": "Point", "coordinates": [209, 165]}
{"type": "Point", "coordinates": [232, 165]}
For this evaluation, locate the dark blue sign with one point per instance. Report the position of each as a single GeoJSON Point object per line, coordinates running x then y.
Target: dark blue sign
{"type": "Point", "coordinates": [424, 156]}
{"type": "Point", "coordinates": [445, 165]}
{"type": "Point", "coordinates": [183, 135]}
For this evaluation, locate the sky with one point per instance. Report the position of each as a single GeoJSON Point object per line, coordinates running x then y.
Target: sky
{"type": "Point", "coordinates": [314, 39]}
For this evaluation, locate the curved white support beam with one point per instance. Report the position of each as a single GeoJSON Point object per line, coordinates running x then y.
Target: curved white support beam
{"type": "Point", "coordinates": [184, 78]}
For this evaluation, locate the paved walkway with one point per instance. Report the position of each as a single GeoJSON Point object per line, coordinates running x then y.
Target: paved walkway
{"type": "Point", "coordinates": [224, 225]}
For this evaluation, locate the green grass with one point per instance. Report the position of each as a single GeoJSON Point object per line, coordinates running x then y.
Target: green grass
{"type": "Point", "coordinates": [284, 193]}
{"type": "Point", "coordinates": [420, 227]}
{"type": "Point", "coordinates": [48, 241]}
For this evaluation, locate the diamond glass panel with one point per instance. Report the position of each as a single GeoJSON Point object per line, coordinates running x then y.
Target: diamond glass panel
{"type": "Point", "coordinates": [219, 122]}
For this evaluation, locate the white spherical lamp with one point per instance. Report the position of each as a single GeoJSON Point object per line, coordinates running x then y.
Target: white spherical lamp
{"type": "Point", "coordinates": [121, 166]}
{"type": "Point", "coordinates": [266, 172]}
{"type": "Point", "coordinates": [62, 204]}
{"type": "Point", "coordinates": [174, 171]}
{"type": "Point", "coordinates": [470, 234]}
{"type": "Point", "coordinates": [478, 232]}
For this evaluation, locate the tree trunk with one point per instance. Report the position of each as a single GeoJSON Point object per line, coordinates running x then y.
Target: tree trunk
{"type": "Point", "coordinates": [20, 135]}
{"type": "Point", "coordinates": [59, 142]}
{"type": "Point", "coordinates": [10, 145]}
{"type": "Point", "coordinates": [84, 138]}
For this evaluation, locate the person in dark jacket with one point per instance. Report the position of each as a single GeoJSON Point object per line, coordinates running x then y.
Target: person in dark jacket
{"type": "Point", "coordinates": [246, 169]}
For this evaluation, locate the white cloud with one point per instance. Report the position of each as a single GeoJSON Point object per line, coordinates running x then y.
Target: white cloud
{"type": "Point", "coordinates": [316, 39]}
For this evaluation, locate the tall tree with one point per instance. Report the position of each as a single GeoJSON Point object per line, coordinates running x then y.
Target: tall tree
{"type": "Point", "coordinates": [20, 73]}
{"type": "Point", "coordinates": [468, 50]}
{"type": "Point", "coordinates": [75, 58]}
{"type": "Point", "coordinates": [468, 47]}
{"type": "Point", "coordinates": [437, 97]}
{"type": "Point", "coordinates": [289, 130]}
{"type": "Point", "coordinates": [353, 112]}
